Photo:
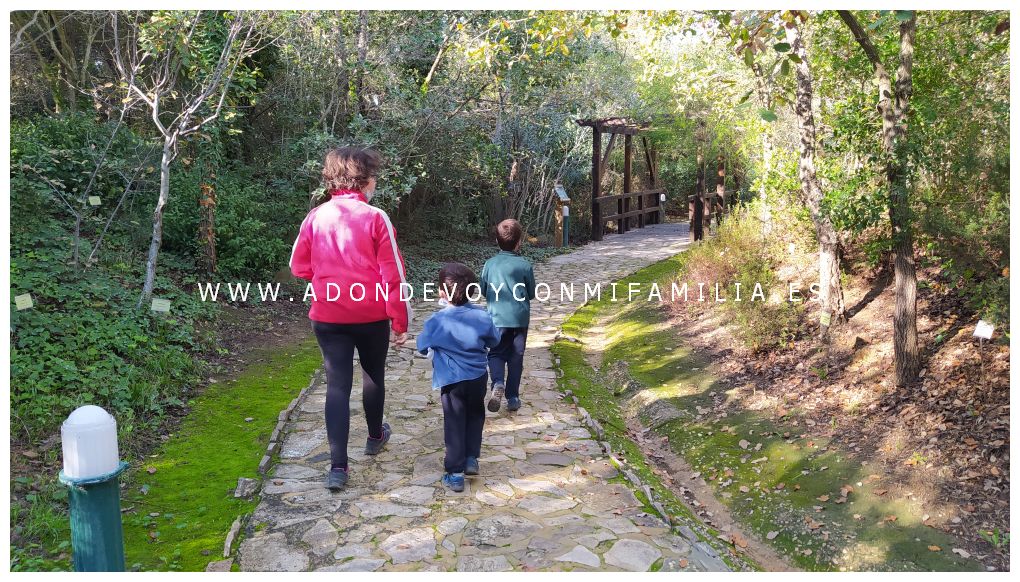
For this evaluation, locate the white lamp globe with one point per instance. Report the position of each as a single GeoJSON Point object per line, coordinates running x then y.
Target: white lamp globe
{"type": "Point", "coordinates": [89, 439]}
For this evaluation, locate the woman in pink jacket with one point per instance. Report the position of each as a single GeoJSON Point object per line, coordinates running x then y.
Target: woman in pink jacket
{"type": "Point", "coordinates": [347, 248]}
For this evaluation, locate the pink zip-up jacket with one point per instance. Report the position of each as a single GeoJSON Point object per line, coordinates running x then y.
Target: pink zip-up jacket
{"type": "Point", "coordinates": [344, 242]}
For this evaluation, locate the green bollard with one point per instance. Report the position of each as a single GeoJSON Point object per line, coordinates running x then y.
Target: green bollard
{"type": "Point", "coordinates": [97, 537]}
{"type": "Point", "coordinates": [566, 226]}
{"type": "Point", "coordinates": [91, 468]}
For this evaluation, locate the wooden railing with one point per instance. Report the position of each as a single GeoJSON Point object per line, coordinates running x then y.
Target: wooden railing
{"type": "Point", "coordinates": [631, 209]}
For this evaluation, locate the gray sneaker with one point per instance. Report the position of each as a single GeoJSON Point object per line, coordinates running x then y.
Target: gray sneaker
{"type": "Point", "coordinates": [336, 479]}
{"type": "Point", "coordinates": [496, 399]}
{"type": "Point", "coordinates": [375, 446]}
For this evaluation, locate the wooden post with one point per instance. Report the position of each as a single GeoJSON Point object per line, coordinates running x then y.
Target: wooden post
{"type": "Point", "coordinates": [558, 233]}
{"type": "Point", "coordinates": [627, 155]}
{"type": "Point", "coordinates": [596, 184]}
{"type": "Point", "coordinates": [720, 190]}
{"type": "Point", "coordinates": [697, 204]}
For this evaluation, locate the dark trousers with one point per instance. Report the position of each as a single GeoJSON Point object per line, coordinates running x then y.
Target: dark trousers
{"type": "Point", "coordinates": [338, 342]}
{"type": "Point", "coordinates": [506, 360]}
{"type": "Point", "coordinates": [463, 419]}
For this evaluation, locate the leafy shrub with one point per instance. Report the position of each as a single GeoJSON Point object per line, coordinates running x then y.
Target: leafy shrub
{"type": "Point", "coordinates": [740, 254]}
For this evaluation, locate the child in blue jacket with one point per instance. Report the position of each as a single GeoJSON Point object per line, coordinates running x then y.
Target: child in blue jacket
{"type": "Point", "coordinates": [459, 337]}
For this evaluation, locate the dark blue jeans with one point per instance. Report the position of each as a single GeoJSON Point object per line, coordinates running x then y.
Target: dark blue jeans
{"type": "Point", "coordinates": [463, 419]}
{"type": "Point", "coordinates": [506, 360]}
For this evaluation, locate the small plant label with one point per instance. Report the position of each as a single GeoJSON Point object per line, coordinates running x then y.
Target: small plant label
{"type": "Point", "coordinates": [161, 305]}
{"type": "Point", "coordinates": [983, 330]}
{"type": "Point", "coordinates": [94, 201]}
{"type": "Point", "coordinates": [23, 301]}
{"type": "Point", "coordinates": [792, 248]}
{"type": "Point", "coordinates": [826, 318]}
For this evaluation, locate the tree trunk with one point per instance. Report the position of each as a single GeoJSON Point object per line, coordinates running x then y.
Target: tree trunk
{"type": "Point", "coordinates": [157, 222]}
{"type": "Point", "coordinates": [359, 78]}
{"type": "Point", "coordinates": [720, 191]}
{"type": "Point", "coordinates": [207, 225]}
{"type": "Point", "coordinates": [894, 104]}
{"type": "Point", "coordinates": [829, 271]}
{"type": "Point", "coordinates": [765, 100]}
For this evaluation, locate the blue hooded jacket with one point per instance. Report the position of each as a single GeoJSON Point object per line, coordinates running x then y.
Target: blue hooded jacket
{"type": "Point", "coordinates": [459, 337]}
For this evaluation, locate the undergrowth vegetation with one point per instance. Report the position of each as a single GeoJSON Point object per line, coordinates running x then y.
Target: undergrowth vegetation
{"type": "Point", "coordinates": [739, 259]}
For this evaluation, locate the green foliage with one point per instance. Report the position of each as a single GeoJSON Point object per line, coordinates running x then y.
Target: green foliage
{"type": "Point", "coordinates": [84, 341]}
{"type": "Point", "coordinates": [40, 528]}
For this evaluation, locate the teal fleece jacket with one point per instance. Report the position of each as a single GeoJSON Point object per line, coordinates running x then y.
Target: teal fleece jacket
{"type": "Point", "coordinates": [508, 281]}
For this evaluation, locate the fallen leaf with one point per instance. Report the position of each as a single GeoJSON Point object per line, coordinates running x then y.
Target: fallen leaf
{"type": "Point", "coordinates": [683, 562]}
{"type": "Point", "coordinates": [744, 444]}
{"type": "Point", "coordinates": [780, 485]}
{"type": "Point", "coordinates": [934, 548]}
{"type": "Point", "coordinates": [890, 518]}
{"type": "Point", "coordinates": [962, 553]}
{"type": "Point", "coordinates": [738, 540]}
{"type": "Point", "coordinates": [771, 535]}
{"type": "Point", "coordinates": [881, 492]}
{"type": "Point", "coordinates": [30, 454]}
{"type": "Point", "coordinates": [823, 498]}
{"type": "Point", "coordinates": [150, 470]}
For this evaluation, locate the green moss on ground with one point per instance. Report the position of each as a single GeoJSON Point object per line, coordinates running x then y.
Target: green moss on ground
{"type": "Point", "coordinates": [596, 395]}
{"type": "Point", "coordinates": [785, 481]}
{"type": "Point", "coordinates": [181, 520]}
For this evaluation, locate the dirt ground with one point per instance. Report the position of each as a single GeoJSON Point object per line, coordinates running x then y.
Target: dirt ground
{"type": "Point", "coordinates": [944, 441]}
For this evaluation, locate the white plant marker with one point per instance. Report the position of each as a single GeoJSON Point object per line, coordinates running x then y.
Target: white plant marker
{"type": "Point", "coordinates": [94, 201]}
{"type": "Point", "coordinates": [161, 305]}
{"type": "Point", "coordinates": [23, 302]}
{"type": "Point", "coordinates": [983, 330]}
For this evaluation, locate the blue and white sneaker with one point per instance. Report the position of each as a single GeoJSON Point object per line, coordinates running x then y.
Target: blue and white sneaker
{"type": "Point", "coordinates": [498, 389]}
{"type": "Point", "coordinates": [471, 466]}
{"type": "Point", "coordinates": [454, 481]}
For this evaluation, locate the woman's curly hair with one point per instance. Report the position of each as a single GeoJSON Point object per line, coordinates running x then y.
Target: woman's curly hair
{"type": "Point", "coordinates": [350, 168]}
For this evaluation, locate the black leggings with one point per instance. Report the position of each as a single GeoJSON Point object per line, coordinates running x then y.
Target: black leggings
{"type": "Point", "coordinates": [337, 342]}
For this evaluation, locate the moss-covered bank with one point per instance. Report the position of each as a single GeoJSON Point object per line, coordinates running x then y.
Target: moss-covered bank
{"type": "Point", "coordinates": [809, 499]}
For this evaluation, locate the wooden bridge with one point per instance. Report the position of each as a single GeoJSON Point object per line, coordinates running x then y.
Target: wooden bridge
{"type": "Point", "coordinates": [631, 208]}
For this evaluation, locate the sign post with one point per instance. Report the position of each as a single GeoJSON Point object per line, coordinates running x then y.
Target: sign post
{"type": "Point", "coordinates": [562, 236]}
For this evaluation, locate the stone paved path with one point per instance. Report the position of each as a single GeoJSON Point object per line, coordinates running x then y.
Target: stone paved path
{"type": "Point", "coordinates": [542, 502]}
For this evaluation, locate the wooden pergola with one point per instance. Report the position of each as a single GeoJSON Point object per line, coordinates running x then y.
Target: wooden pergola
{"type": "Point", "coordinates": [641, 207]}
